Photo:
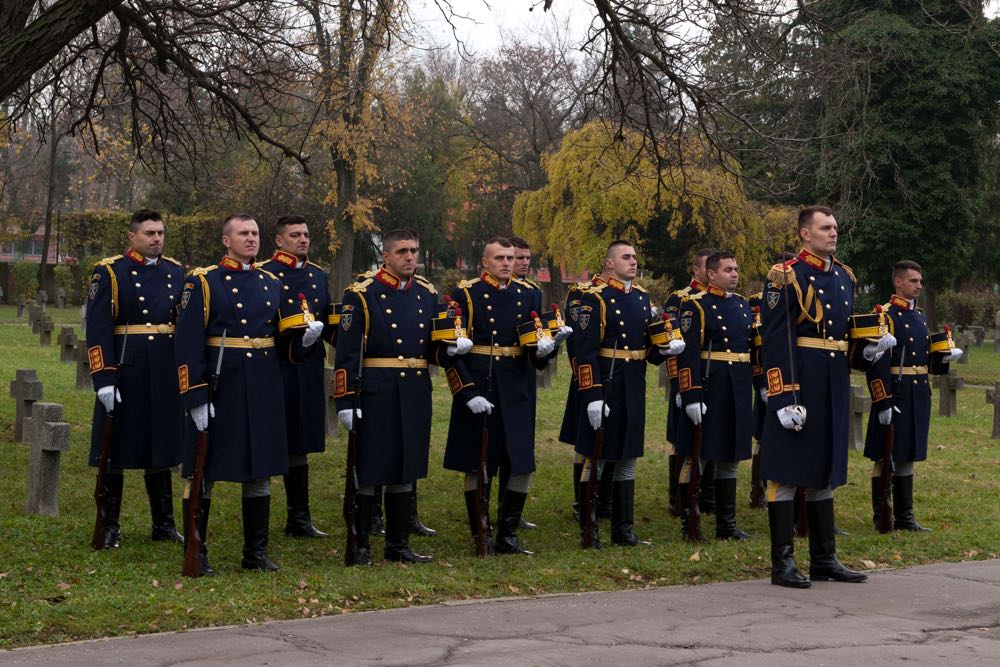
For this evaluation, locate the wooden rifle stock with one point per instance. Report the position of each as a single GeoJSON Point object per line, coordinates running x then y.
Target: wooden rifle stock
{"type": "Point", "coordinates": [590, 497]}
{"type": "Point", "coordinates": [482, 527]}
{"type": "Point", "coordinates": [193, 539]}
{"type": "Point", "coordinates": [694, 487]}
{"type": "Point", "coordinates": [885, 481]}
{"type": "Point", "coordinates": [802, 522]}
{"type": "Point", "coordinates": [97, 541]}
{"type": "Point", "coordinates": [351, 473]}
{"type": "Point", "coordinates": [756, 488]}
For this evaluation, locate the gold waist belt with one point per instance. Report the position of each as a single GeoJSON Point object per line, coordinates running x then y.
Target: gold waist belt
{"type": "Point", "coordinates": [740, 357]}
{"type": "Point", "coordinates": [390, 362]}
{"type": "Point", "coordinates": [610, 353]}
{"type": "Point", "coordinates": [246, 341]}
{"type": "Point", "coordinates": [909, 370]}
{"type": "Point", "coordinates": [497, 351]}
{"type": "Point", "coordinates": [823, 344]}
{"type": "Point", "coordinates": [145, 329]}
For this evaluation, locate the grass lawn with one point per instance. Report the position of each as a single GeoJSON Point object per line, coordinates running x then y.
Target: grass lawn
{"type": "Point", "coordinates": [54, 588]}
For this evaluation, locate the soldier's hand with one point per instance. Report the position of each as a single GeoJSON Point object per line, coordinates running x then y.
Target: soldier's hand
{"type": "Point", "coordinates": [885, 417]}
{"type": "Point", "coordinates": [313, 330]}
{"type": "Point", "coordinates": [885, 342]}
{"type": "Point", "coordinates": [347, 418]}
{"type": "Point", "coordinates": [673, 348]}
{"type": "Point", "coordinates": [871, 353]}
{"type": "Point", "coordinates": [462, 345]}
{"type": "Point", "coordinates": [479, 405]}
{"type": "Point", "coordinates": [954, 355]}
{"type": "Point", "coordinates": [793, 417]}
{"type": "Point", "coordinates": [107, 396]}
{"type": "Point", "coordinates": [695, 411]}
{"type": "Point", "coordinates": [563, 333]}
{"type": "Point", "coordinates": [594, 413]}
{"type": "Point", "coordinates": [200, 415]}
{"type": "Point", "coordinates": [763, 395]}
{"type": "Point", "coordinates": [678, 401]}
{"type": "Point", "coordinates": [545, 347]}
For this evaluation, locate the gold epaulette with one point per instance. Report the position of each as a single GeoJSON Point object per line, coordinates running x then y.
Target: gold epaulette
{"type": "Point", "coordinates": [530, 283]}
{"type": "Point", "coordinates": [594, 289]}
{"type": "Point", "coordinates": [108, 261]}
{"type": "Point", "coordinates": [740, 296]}
{"type": "Point", "coordinates": [315, 265]}
{"type": "Point", "coordinates": [171, 260]}
{"type": "Point", "coordinates": [639, 287]}
{"type": "Point", "coordinates": [757, 295]}
{"type": "Point", "coordinates": [466, 284]}
{"type": "Point", "coordinates": [360, 286]}
{"type": "Point", "coordinates": [693, 296]}
{"type": "Point", "coordinates": [266, 272]}
{"type": "Point", "coordinates": [201, 270]}
{"type": "Point", "coordinates": [845, 267]}
{"type": "Point", "coordinates": [682, 292]}
{"type": "Point", "coordinates": [782, 273]}
{"type": "Point", "coordinates": [426, 284]}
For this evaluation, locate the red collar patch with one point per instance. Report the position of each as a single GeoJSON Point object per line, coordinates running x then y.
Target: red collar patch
{"type": "Point", "coordinates": [135, 256]}
{"type": "Point", "coordinates": [228, 262]}
{"type": "Point", "coordinates": [899, 302]}
{"type": "Point", "coordinates": [390, 280]}
{"type": "Point", "coordinates": [712, 289]}
{"type": "Point", "coordinates": [490, 280]}
{"type": "Point", "coordinates": [813, 260]}
{"type": "Point", "coordinates": [697, 285]}
{"type": "Point", "coordinates": [617, 284]}
{"type": "Point", "coordinates": [285, 258]}
{"type": "Point", "coordinates": [596, 281]}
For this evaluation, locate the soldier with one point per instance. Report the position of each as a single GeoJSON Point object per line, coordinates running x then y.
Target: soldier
{"type": "Point", "coordinates": [716, 387]}
{"type": "Point", "coordinates": [805, 318]}
{"type": "Point", "coordinates": [672, 309]}
{"type": "Point", "coordinates": [496, 380]}
{"type": "Point", "coordinates": [611, 326]}
{"type": "Point", "coordinates": [305, 404]}
{"type": "Point", "coordinates": [906, 404]}
{"type": "Point", "coordinates": [387, 318]}
{"type": "Point", "coordinates": [236, 304]}
{"type": "Point", "coordinates": [137, 294]}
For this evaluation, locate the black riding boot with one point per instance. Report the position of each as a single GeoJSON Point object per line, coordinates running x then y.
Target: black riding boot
{"type": "Point", "coordinates": [416, 527]}
{"type": "Point", "coordinates": [205, 504]}
{"type": "Point", "coordinates": [473, 511]}
{"type": "Point", "coordinates": [685, 509]}
{"type": "Point", "coordinates": [256, 520]}
{"type": "Point", "coordinates": [581, 492]}
{"type": "Point", "coordinates": [674, 462]}
{"type": "Point", "coordinates": [112, 510]}
{"type": "Point", "coordinates": [706, 498]}
{"type": "Point", "coordinates": [605, 496]}
{"type": "Point", "coordinates": [725, 511]}
{"type": "Point", "coordinates": [876, 502]}
{"type": "Point", "coordinates": [299, 522]}
{"type": "Point", "coordinates": [161, 507]}
{"type": "Point", "coordinates": [397, 533]}
{"type": "Point", "coordinates": [622, 514]}
{"type": "Point", "coordinates": [781, 521]}
{"type": "Point", "coordinates": [577, 497]}
{"type": "Point", "coordinates": [362, 526]}
{"type": "Point", "coordinates": [378, 525]}
{"type": "Point", "coordinates": [511, 508]}
{"type": "Point", "coordinates": [823, 563]}
{"type": "Point", "coordinates": [902, 505]}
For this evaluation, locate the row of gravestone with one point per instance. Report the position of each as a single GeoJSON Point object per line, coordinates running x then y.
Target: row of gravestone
{"type": "Point", "coordinates": [40, 426]}
{"type": "Point", "coordinates": [42, 298]}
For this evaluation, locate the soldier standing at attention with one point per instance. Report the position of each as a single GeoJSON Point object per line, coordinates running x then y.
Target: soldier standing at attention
{"type": "Point", "coordinates": [911, 396]}
{"type": "Point", "coordinates": [137, 294]}
{"type": "Point", "coordinates": [305, 401]}
{"type": "Point", "coordinates": [806, 313]}
{"type": "Point", "coordinates": [496, 378]}
{"type": "Point", "coordinates": [385, 326]}
{"type": "Point", "coordinates": [236, 305]}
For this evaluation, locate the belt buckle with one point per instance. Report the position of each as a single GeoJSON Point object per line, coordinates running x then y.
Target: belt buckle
{"type": "Point", "coordinates": [411, 363]}
{"type": "Point", "coordinates": [163, 328]}
{"type": "Point", "coordinates": [257, 343]}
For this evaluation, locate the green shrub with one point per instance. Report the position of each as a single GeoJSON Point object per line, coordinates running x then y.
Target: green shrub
{"type": "Point", "coordinates": [968, 308]}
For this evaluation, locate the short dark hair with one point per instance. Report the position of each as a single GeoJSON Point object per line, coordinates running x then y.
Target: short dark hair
{"type": "Point", "coordinates": [520, 243]}
{"type": "Point", "coordinates": [784, 256]}
{"type": "Point", "coordinates": [394, 236]}
{"type": "Point", "coordinates": [615, 244]}
{"type": "Point", "coordinates": [712, 261]}
{"type": "Point", "coordinates": [902, 266]}
{"type": "Point", "coordinates": [285, 220]}
{"type": "Point", "coordinates": [806, 214]}
{"type": "Point", "coordinates": [235, 216]}
{"type": "Point", "coordinates": [502, 241]}
{"type": "Point", "coordinates": [141, 216]}
{"type": "Point", "coordinates": [703, 252]}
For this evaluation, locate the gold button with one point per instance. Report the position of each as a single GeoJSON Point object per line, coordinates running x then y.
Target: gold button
{"type": "Point", "coordinates": [171, 296]}
{"type": "Point", "coordinates": [831, 354]}
{"type": "Point", "coordinates": [150, 338]}
{"type": "Point", "coordinates": [420, 310]}
{"type": "Point", "coordinates": [145, 312]}
{"type": "Point", "coordinates": [246, 338]}
{"type": "Point", "coordinates": [281, 274]}
{"type": "Point", "coordinates": [393, 325]}
{"type": "Point", "coordinates": [239, 305]}
{"type": "Point", "coordinates": [135, 273]}
{"type": "Point", "coordinates": [243, 321]}
{"type": "Point", "coordinates": [138, 285]}
{"type": "Point", "coordinates": [402, 374]}
{"type": "Point", "coordinates": [142, 298]}
{"type": "Point", "coordinates": [486, 296]}
{"type": "Point", "coordinates": [399, 341]}
{"type": "Point", "coordinates": [382, 295]}
{"type": "Point", "coordinates": [249, 354]}
{"type": "Point", "coordinates": [169, 285]}
{"type": "Point", "coordinates": [626, 347]}
{"type": "Point", "coordinates": [420, 372]}
{"type": "Point", "coordinates": [235, 291]}
{"type": "Point", "coordinates": [519, 303]}
{"type": "Point", "coordinates": [421, 341]}
{"type": "Point", "coordinates": [724, 327]}
{"type": "Point", "coordinates": [268, 302]}
{"type": "Point", "coordinates": [400, 357]}
{"type": "Point", "coordinates": [285, 287]}
{"type": "Point", "coordinates": [612, 300]}
{"type": "Point", "coordinates": [489, 307]}
{"type": "Point", "coordinates": [311, 275]}
{"type": "Point", "coordinates": [828, 306]}
{"type": "Point", "coordinates": [494, 332]}
{"type": "Point", "coordinates": [229, 277]}
{"type": "Point", "coordinates": [421, 325]}
{"type": "Point", "coordinates": [820, 291]}
{"type": "Point", "coordinates": [492, 320]}
{"type": "Point", "coordinates": [388, 311]}
{"type": "Point", "coordinates": [265, 288]}
{"type": "Point", "coordinates": [314, 287]}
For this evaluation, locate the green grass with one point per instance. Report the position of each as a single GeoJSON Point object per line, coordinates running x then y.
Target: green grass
{"type": "Point", "coordinates": [54, 588]}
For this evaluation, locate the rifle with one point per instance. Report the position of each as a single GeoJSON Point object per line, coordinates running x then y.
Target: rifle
{"type": "Point", "coordinates": [888, 466]}
{"type": "Point", "coordinates": [694, 481]}
{"type": "Point", "coordinates": [482, 493]}
{"type": "Point", "coordinates": [756, 488]}
{"type": "Point", "coordinates": [351, 474]}
{"type": "Point", "coordinates": [589, 506]}
{"type": "Point", "coordinates": [193, 541]}
{"type": "Point", "coordinates": [100, 523]}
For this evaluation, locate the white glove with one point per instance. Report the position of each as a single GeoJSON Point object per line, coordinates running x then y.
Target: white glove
{"type": "Point", "coordinates": [653, 312]}
{"type": "Point", "coordinates": [677, 400]}
{"type": "Point", "coordinates": [695, 411]}
{"type": "Point", "coordinates": [563, 333]}
{"type": "Point", "coordinates": [545, 347]}
{"type": "Point", "coordinates": [347, 419]}
{"type": "Point", "coordinates": [594, 413]}
{"type": "Point", "coordinates": [763, 394]}
{"type": "Point", "coordinates": [885, 417]}
{"type": "Point", "coordinates": [793, 417]}
{"type": "Point", "coordinates": [954, 355]}
{"type": "Point", "coordinates": [479, 405]}
{"type": "Point", "coordinates": [104, 395]}
{"type": "Point", "coordinates": [313, 330]}
{"type": "Point", "coordinates": [885, 342]}
{"type": "Point", "coordinates": [200, 415]}
{"type": "Point", "coordinates": [871, 352]}
{"type": "Point", "coordinates": [461, 346]}
{"type": "Point", "coordinates": [673, 348]}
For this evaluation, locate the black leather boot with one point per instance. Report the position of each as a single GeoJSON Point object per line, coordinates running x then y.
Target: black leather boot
{"type": "Point", "coordinates": [473, 512]}
{"type": "Point", "coordinates": [725, 511]}
{"type": "Point", "coordinates": [674, 473]}
{"type": "Point", "coordinates": [416, 527]}
{"type": "Point", "coordinates": [113, 485]}
{"type": "Point", "coordinates": [581, 492]}
{"type": "Point", "coordinates": [204, 569]}
{"type": "Point", "coordinates": [902, 505]}
{"type": "Point", "coordinates": [686, 535]}
{"type": "Point", "coordinates": [823, 563]}
{"type": "Point", "coordinates": [362, 525]}
{"type": "Point", "coordinates": [604, 492]}
{"type": "Point", "coordinates": [397, 530]}
{"type": "Point", "coordinates": [622, 514]}
{"type": "Point", "coordinates": [256, 522]}
{"type": "Point", "coordinates": [299, 522]}
{"type": "Point", "coordinates": [706, 497]}
{"type": "Point", "coordinates": [510, 520]}
{"type": "Point", "coordinates": [577, 498]}
{"type": "Point", "coordinates": [781, 521]}
{"type": "Point", "coordinates": [159, 488]}
{"type": "Point", "coordinates": [378, 525]}
{"type": "Point", "coordinates": [876, 502]}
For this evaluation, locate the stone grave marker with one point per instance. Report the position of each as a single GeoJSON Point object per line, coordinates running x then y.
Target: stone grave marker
{"type": "Point", "coordinates": [993, 397]}
{"type": "Point", "coordinates": [948, 386]}
{"type": "Point", "coordinates": [25, 389]}
{"type": "Point", "coordinates": [861, 404]}
{"type": "Point", "coordinates": [49, 438]}
{"type": "Point", "coordinates": [67, 343]}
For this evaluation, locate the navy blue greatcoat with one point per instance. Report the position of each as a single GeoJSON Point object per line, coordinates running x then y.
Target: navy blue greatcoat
{"type": "Point", "coordinates": [672, 308]}
{"type": "Point", "coordinates": [571, 414]}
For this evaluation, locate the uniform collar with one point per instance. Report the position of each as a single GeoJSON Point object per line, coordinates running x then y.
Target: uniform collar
{"type": "Point", "coordinates": [617, 284]}
{"type": "Point", "coordinates": [492, 281]}
{"type": "Point", "coordinates": [285, 259]}
{"type": "Point", "coordinates": [717, 291]}
{"type": "Point", "coordinates": [228, 262]}
{"type": "Point", "coordinates": [900, 302]}
{"type": "Point", "coordinates": [597, 281]}
{"type": "Point", "coordinates": [814, 260]}
{"type": "Point", "coordinates": [135, 256]}
{"type": "Point", "coordinates": [697, 285]}
{"type": "Point", "coordinates": [391, 280]}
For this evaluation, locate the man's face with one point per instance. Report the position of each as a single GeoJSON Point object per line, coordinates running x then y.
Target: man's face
{"type": "Point", "coordinates": [622, 263]}
{"type": "Point", "coordinates": [294, 240]}
{"type": "Point", "coordinates": [242, 241]}
{"type": "Point", "coordinates": [498, 261]}
{"type": "Point", "coordinates": [401, 258]}
{"type": "Point", "coordinates": [726, 276]}
{"type": "Point", "coordinates": [820, 235]}
{"type": "Point", "coordinates": [698, 269]}
{"type": "Point", "coordinates": [909, 284]}
{"type": "Point", "coordinates": [148, 239]}
{"type": "Point", "coordinates": [522, 261]}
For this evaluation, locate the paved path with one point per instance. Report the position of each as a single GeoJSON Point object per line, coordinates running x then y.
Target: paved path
{"type": "Point", "coordinates": [934, 615]}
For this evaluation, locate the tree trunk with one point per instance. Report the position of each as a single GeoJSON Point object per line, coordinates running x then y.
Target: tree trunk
{"type": "Point", "coordinates": [341, 271]}
{"type": "Point", "coordinates": [49, 197]}
{"type": "Point", "coordinates": [555, 284]}
{"type": "Point", "coordinates": [930, 307]}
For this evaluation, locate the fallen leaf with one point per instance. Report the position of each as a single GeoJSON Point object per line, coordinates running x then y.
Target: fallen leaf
{"type": "Point", "coordinates": [302, 583]}
{"type": "Point", "coordinates": [62, 585]}
{"type": "Point", "coordinates": [897, 556]}
{"type": "Point", "coordinates": [869, 565]}
{"type": "Point", "coordinates": [512, 587]}
{"type": "Point", "coordinates": [695, 557]}
{"type": "Point", "coordinates": [178, 586]}
{"type": "Point", "coordinates": [156, 584]}
{"type": "Point", "coordinates": [624, 570]}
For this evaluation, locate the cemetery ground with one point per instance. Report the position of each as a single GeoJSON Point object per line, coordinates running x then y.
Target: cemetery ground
{"type": "Point", "coordinates": [54, 588]}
